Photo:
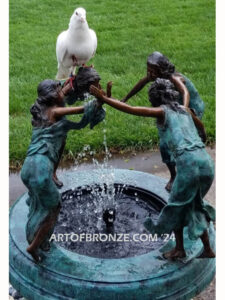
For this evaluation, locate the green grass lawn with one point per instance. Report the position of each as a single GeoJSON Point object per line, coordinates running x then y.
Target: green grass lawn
{"type": "Point", "coordinates": [127, 31]}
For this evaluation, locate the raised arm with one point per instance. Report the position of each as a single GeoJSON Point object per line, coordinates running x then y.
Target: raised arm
{"type": "Point", "coordinates": [62, 111]}
{"type": "Point", "coordinates": [58, 111]}
{"type": "Point", "coordinates": [138, 110]}
{"type": "Point", "coordinates": [178, 81]}
{"type": "Point", "coordinates": [141, 83]}
{"type": "Point", "coordinates": [109, 89]}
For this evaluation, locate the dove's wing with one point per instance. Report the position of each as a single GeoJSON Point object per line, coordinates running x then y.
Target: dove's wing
{"type": "Point", "coordinates": [61, 47]}
{"type": "Point", "coordinates": [94, 40]}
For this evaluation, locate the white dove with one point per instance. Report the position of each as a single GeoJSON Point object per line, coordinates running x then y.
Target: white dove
{"type": "Point", "coordinates": [76, 45]}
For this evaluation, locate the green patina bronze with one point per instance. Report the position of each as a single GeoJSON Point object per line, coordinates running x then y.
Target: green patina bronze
{"type": "Point", "coordinates": [168, 272]}
{"type": "Point", "coordinates": [65, 275]}
{"type": "Point", "coordinates": [196, 104]}
{"type": "Point", "coordinates": [195, 173]}
{"type": "Point", "coordinates": [38, 167]}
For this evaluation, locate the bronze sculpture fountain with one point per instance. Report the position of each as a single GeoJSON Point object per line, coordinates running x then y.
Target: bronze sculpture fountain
{"type": "Point", "coordinates": [52, 270]}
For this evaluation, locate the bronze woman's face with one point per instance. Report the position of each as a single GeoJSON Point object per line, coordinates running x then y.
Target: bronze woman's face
{"type": "Point", "coordinates": [152, 73]}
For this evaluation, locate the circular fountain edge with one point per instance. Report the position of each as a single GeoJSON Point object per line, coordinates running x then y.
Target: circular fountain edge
{"type": "Point", "coordinates": [67, 275]}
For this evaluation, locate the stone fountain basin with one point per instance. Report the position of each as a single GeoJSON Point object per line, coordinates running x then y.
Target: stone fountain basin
{"type": "Point", "coordinates": [65, 275]}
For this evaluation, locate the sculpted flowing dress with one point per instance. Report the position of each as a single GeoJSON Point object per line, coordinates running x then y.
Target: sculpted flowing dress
{"type": "Point", "coordinates": [195, 173]}
{"type": "Point", "coordinates": [196, 104]}
{"type": "Point", "coordinates": [38, 166]}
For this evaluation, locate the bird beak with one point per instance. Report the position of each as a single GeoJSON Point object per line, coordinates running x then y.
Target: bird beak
{"type": "Point", "coordinates": [82, 19]}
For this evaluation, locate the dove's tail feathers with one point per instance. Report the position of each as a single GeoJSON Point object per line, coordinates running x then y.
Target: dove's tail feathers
{"type": "Point", "coordinates": [62, 72]}
{"type": "Point", "coordinates": [61, 46]}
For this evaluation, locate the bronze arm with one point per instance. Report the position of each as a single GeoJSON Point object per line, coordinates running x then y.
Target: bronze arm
{"type": "Point", "coordinates": [141, 83]}
{"type": "Point", "coordinates": [62, 111]}
{"type": "Point", "coordinates": [155, 112]}
{"type": "Point", "coordinates": [178, 81]}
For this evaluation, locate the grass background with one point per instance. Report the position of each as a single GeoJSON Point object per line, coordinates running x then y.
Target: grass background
{"type": "Point", "coordinates": [128, 31]}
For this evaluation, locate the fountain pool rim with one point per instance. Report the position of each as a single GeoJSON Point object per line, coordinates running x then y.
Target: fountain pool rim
{"type": "Point", "coordinates": [67, 275]}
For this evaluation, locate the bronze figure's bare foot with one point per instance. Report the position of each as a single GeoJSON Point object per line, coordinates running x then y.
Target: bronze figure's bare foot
{"type": "Point", "coordinates": [58, 183]}
{"type": "Point", "coordinates": [207, 251]}
{"type": "Point", "coordinates": [33, 253]}
{"type": "Point", "coordinates": [207, 254]}
{"type": "Point", "coordinates": [174, 254]}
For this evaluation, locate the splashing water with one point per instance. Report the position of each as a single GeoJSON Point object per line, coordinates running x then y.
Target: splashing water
{"type": "Point", "coordinates": [106, 195]}
{"type": "Point", "coordinates": [102, 197]}
{"type": "Point", "coordinates": [76, 218]}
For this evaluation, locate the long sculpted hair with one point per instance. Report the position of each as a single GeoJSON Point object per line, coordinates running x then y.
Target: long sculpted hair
{"type": "Point", "coordinates": [84, 79]}
{"type": "Point", "coordinates": [160, 62]}
{"type": "Point", "coordinates": [47, 91]}
{"type": "Point", "coordinates": [163, 92]}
